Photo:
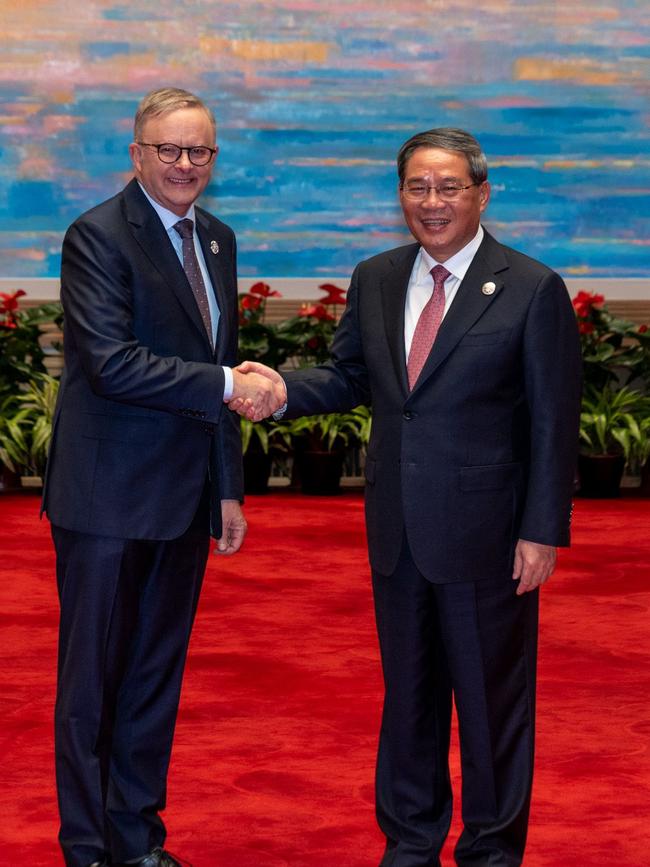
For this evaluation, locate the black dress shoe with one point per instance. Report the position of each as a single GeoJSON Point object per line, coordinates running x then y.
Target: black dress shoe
{"type": "Point", "coordinates": [156, 858]}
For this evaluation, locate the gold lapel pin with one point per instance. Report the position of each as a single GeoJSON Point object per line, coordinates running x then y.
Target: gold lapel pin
{"type": "Point", "coordinates": [488, 288]}
{"type": "Point", "coordinates": [214, 247]}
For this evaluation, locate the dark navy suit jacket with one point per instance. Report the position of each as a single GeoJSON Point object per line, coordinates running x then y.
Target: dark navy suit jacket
{"type": "Point", "coordinates": [140, 422]}
{"type": "Point", "coordinates": [482, 451]}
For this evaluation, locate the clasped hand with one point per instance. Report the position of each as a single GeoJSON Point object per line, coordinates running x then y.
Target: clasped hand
{"type": "Point", "coordinates": [258, 391]}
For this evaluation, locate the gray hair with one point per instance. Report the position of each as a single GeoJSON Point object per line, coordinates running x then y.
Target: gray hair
{"type": "Point", "coordinates": [164, 100]}
{"type": "Point", "coordinates": [449, 139]}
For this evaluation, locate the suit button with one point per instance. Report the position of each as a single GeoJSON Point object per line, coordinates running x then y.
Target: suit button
{"type": "Point", "coordinates": [409, 414]}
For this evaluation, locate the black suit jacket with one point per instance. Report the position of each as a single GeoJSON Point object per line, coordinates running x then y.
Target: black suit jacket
{"type": "Point", "coordinates": [482, 451]}
{"type": "Point", "coordinates": [140, 422]}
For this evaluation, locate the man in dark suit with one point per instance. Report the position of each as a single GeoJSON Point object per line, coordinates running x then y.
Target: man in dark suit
{"type": "Point", "coordinates": [145, 464]}
{"type": "Point", "coordinates": [469, 354]}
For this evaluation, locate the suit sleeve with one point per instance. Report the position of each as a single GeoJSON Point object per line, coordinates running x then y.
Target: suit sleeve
{"type": "Point", "coordinates": [340, 384]}
{"type": "Point", "coordinates": [553, 378]}
{"type": "Point", "coordinates": [97, 296]}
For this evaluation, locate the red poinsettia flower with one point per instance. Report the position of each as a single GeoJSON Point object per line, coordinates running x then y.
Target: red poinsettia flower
{"type": "Point", "coordinates": [10, 300]}
{"type": "Point", "coordinates": [9, 306]}
{"type": "Point", "coordinates": [586, 328]}
{"type": "Point", "coordinates": [585, 301]}
{"type": "Point", "coordinates": [264, 290]}
{"type": "Point", "coordinates": [335, 295]}
{"type": "Point", "coordinates": [250, 302]}
{"type": "Point", "coordinates": [643, 329]}
{"type": "Point", "coordinates": [318, 311]}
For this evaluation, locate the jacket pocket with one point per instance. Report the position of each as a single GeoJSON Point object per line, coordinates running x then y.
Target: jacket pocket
{"type": "Point", "coordinates": [485, 338]}
{"type": "Point", "coordinates": [489, 478]}
{"type": "Point", "coordinates": [119, 428]}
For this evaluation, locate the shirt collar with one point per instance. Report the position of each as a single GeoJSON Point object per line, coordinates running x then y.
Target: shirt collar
{"type": "Point", "coordinates": [168, 218]}
{"type": "Point", "coordinates": [458, 264]}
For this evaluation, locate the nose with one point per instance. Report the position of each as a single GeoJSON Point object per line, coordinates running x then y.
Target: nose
{"type": "Point", "coordinates": [183, 161]}
{"type": "Point", "coordinates": [427, 200]}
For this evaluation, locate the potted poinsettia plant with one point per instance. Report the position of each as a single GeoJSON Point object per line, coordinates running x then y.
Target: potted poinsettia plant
{"type": "Point", "coordinates": [321, 441]}
{"type": "Point", "coordinates": [614, 351]}
{"type": "Point", "coordinates": [613, 422]}
{"type": "Point", "coordinates": [259, 341]}
{"type": "Point", "coordinates": [22, 359]}
{"type": "Point", "coordinates": [311, 331]}
{"type": "Point", "coordinates": [21, 354]}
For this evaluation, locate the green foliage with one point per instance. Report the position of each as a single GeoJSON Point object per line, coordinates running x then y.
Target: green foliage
{"type": "Point", "coordinates": [300, 341]}
{"type": "Point", "coordinates": [259, 340]}
{"type": "Point", "coordinates": [615, 416]}
{"type": "Point", "coordinates": [26, 425]}
{"type": "Point", "coordinates": [614, 421]}
{"type": "Point", "coordinates": [614, 351]}
{"type": "Point", "coordinates": [334, 430]}
{"type": "Point", "coordinates": [267, 435]}
{"type": "Point", "coordinates": [310, 333]}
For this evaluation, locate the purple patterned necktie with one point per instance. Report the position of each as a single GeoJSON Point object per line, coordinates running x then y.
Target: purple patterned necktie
{"type": "Point", "coordinates": [427, 325]}
{"type": "Point", "coordinates": [185, 229]}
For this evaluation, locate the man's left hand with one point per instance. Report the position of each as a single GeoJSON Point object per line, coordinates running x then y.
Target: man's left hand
{"type": "Point", "coordinates": [534, 565]}
{"type": "Point", "coordinates": [233, 527]}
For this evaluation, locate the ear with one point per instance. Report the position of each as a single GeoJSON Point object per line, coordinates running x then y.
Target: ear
{"type": "Point", "coordinates": [135, 152]}
{"type": "Point", "coordinates": [484, 195]}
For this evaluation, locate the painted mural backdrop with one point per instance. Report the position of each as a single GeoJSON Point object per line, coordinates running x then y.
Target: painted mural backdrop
{"type": "Point", "coordinates": [313, 99]}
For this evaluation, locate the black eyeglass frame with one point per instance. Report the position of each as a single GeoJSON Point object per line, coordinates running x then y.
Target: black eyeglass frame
{"type": "Point", "coordinates": [180, 150]}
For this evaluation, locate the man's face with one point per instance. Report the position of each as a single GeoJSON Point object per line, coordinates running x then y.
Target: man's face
{"type": "Point", "coordinates": [443, 228]}
{"type": "Point", "coordinates": [177, 185]}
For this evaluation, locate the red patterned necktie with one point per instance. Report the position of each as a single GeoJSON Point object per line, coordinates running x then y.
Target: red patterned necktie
{"type": "Point", "coordinates": [185, 229]}
{"type": "Point", "coordinates": [427, 325]}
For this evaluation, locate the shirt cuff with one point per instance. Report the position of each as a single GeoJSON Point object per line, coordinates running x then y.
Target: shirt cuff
{"type": "Point", "coordinates": [228, 383]}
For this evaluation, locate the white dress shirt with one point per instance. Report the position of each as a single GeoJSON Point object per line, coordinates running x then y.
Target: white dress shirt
{"type": "Point", "coordinates": [420, 285]}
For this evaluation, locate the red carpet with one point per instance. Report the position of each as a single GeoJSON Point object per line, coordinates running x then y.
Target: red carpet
{"type": "Point", "coordinates": [275, 744]}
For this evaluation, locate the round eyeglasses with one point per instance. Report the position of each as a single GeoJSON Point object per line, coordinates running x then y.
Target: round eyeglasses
{"type": "Point", "coordinates": [418, 191]}
{"type": "Point", "coordinates": [199, 155]}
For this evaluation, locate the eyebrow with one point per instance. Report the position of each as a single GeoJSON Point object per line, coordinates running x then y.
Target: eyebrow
{"type": "Point", "coordinates": [443, 180]}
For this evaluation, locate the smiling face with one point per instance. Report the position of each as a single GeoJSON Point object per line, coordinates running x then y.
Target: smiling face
{"type": "Point", "coordinates": [177, 185]}
{"type": "Point", "coordinates": [443, 228]}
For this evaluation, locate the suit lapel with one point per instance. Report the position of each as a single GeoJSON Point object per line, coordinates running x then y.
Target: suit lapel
{"type": "Point", "coordinates": [469, 304]}
{"type": "Point", "coordinates": [150, 234]}
{"type": "Point", "coordinates": [393, 296]}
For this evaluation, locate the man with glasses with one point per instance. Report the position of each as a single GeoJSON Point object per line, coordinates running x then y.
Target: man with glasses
{"type": "Point", "coordinates": [468, 353]}
{"type": "Point", "coordinates": [145, 465]}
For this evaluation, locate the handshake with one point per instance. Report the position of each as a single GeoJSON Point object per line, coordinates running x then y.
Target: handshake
{"type": "Point", "coordinates": [258, 391]}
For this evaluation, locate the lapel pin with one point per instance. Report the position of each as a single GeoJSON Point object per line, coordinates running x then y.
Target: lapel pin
{"type": "Point", "coordinates": [488, 288]}
{"type": "Point", "coordinates": [214, 247]}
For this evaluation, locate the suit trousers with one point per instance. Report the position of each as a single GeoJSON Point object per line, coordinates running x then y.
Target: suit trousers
{"type": "Point", "coordinates": [475, 642]}
{"type": "Point", "coordinates": [127, 608]}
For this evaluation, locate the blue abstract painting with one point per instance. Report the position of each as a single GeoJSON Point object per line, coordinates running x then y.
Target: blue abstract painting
{"type": "Point", "coordinates": [313, 100]}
